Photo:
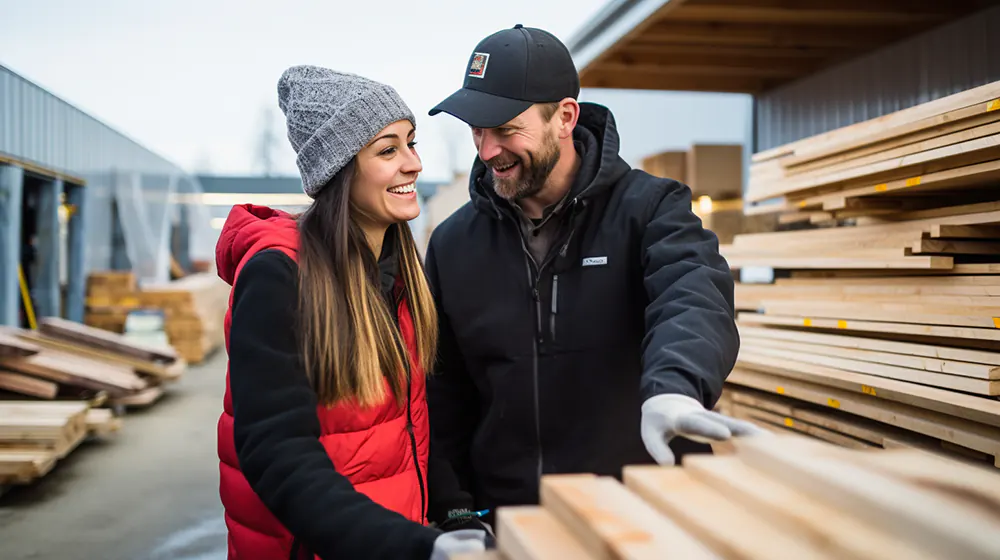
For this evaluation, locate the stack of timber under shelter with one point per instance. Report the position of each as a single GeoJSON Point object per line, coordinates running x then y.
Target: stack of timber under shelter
{"type": "Point", "coordinates": [55, 383]}
{"type": "Point", "coordinates": [782, 496]}
{"type": "Point", "coordinates": [714, 173]}
{"type": "Point", "coordinates": [882, 327]}
{"type": "Point", "coordinates": [193, 307]}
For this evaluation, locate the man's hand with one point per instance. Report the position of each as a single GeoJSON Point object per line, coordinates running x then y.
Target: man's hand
{"type": "Point", "coordinates": [666, 416]}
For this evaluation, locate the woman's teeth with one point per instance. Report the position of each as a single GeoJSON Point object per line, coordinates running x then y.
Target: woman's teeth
{"type": "Point", "coordinates": [405, 189]}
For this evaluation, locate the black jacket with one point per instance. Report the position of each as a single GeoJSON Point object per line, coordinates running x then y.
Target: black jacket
{"type": "Point", "coordinates": [543, 369]}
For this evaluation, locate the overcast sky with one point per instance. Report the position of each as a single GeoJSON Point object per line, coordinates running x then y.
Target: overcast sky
{"type": "Point", "coordinates": [191, 79]}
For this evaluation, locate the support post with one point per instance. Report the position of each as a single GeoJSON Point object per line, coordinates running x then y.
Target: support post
{"type": "Point", "coordinates": [11, 191]}
{"type": "Point", "coordinates": [46, 292]}
{"type": "Point", "coordinates": [76, 274]}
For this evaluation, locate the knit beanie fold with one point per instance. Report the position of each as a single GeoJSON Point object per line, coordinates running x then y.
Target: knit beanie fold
{"type": "Point", "coordinates": [331, 116]}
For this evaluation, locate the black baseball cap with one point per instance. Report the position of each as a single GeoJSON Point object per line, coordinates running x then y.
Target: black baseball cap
{"type": "Point", "coordinates": [507, 73]}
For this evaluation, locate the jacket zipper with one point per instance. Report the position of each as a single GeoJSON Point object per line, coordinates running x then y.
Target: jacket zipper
{"type": "Point", "coordinates": [416, 459]}
{"type": "Point", "coordinates": [555, 307]}
{"type": "Point", "coordinates": [533, 282]}
{"type": "Point", "coordinates": [409, 427]}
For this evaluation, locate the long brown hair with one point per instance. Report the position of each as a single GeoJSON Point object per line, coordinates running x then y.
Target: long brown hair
{"type": "Point", "coordinates": [351, 344]}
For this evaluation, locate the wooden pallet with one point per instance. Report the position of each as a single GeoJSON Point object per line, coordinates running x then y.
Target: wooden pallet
{"type": "Point", "coordinates": [780, 496]}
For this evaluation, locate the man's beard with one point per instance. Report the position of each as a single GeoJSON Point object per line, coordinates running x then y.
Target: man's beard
{"type": "Point", "coordinates": [532, 173]}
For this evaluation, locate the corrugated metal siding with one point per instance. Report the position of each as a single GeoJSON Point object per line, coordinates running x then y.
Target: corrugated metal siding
{"type": "Point", "coordinates": [943, 61]}
{"type": "Point", "coordinates": [40, 128]}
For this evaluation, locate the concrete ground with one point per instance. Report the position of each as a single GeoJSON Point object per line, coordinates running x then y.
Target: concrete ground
{"type": "Point", "coordinates": [150, 491]}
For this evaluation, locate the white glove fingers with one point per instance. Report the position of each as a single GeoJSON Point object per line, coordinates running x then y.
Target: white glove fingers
{"type": "Point", "coordinates": [656, 445]}
{"type": "Point", "coordinates": [741, 428]}
{"type": "Point", "coordinates": [702, 426]}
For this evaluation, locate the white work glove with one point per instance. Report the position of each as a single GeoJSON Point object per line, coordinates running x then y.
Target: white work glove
{"type": "Point", "coordinates": [458, 542]}
{"type": "Point", "coordinates": [665, 417]}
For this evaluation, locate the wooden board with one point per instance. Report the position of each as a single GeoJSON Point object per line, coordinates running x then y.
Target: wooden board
{"type": "Point", "coordinates": [612, 522]}
{"type": "Point", "coordinates": [940, 525]}
{"type": "Point", "coordinates": [11, 346]}
{"type": "Point", "coordinates": [932, 334]}
{"type": "Point", "coordinates": [929, 356]}
{"type": "Point", "coordinates": [960, 431]}
{"type": "Point", "coordinates": [70, 369]}
{"type": "Point", "coordinates": [884, 127]}
{"type": "Point", "coordinates": [167, 372]}
{"type": "Point", "coordinates": [28, 385]}
{"type": "Point", "coordinates": [102, 422]}
{"type": "Point", "coordinates": [789, 511]}
{"type": "Point", "coordinates": [707, 514]}
{"type": "Point", "coordinates": [973, 408]}
{"type": "Point", "coordinates": [770, 496]}
{"type": "Point", "coordinates": [533, 533]}
{"type": "Point", "coordinates": [76, 332]}
{"type": "Point", "coordinates": [929, 378]}
{"type": "Point", "coordinates": [142, 399]}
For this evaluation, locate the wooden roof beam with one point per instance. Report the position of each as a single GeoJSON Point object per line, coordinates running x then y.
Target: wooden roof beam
{"type": "Point", "coordinates": [630, 79]}
{"type": "Point", "coordinates": [748, 34]}
{"type": "Point", "coordinates": [822, 12]}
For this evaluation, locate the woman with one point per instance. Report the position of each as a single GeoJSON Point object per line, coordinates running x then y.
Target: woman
{"type": "Point", "coordinates": [331, 328]}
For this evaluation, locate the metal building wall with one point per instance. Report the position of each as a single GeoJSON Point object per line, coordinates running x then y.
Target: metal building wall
{"type": "Point", "coordinates": [943, 61]}
{"type": "Point", "coordinates": [40, 128]}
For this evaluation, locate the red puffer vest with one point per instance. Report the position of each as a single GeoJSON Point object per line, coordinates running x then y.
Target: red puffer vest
{"type": "Point", "coordinates": [374, 448]}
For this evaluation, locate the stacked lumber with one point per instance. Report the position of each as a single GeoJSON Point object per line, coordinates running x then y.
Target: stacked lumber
{"type": "Point", "coordinates": [882, 330]}
{"type": "Point", "coordinates": [916, 158]}
{"type": "Point", "coordinates": [195, 308]}
{"type": "Point", "coordinates": [111, 295]}
{"type": "Point", "coordinates": [714, 172]}
{"type": "Point", "coordinates": [67, 360]}
{"type": "Point", "coordinates": [781, 496]}
{"type": "Point", "coordinates": [34, 436]}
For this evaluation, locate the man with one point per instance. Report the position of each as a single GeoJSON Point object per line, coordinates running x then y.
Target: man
{"type": "Point", "coordinates": [586, 316]}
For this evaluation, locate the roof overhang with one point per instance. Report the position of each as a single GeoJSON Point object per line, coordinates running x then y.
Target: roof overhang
{"type": "Point", "coordinates": [743, 46]}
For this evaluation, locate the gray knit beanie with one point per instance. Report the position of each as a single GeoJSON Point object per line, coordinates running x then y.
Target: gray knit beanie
{"type": "Point", "coordinates": [331, 116]}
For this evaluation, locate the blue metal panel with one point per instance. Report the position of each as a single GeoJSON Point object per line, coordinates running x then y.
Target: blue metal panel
{"type": "Point", "coordinates": [76, 275]}
{"type": "Point", "coordinates": [11, 187]}
{"type": "Point", "coordinates": [943, 61]}
{"type": "Point", "coordinates": [45, 289]}
{"type": "Point", "coordinates": [42, 129]}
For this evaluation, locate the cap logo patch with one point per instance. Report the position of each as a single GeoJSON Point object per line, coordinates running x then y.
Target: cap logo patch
{"type": "Point", "coordinates": [478, 67]}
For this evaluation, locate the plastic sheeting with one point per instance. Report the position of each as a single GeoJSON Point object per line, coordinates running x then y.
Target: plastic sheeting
{"type": "Point", "coordinates": [151, 207]}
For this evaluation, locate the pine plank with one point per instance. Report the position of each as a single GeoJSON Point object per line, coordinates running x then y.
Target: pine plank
{"type": "Point", "coordinates": [167, 372]}
{"type": "Point", "coordinates": [933, 424]}
{"type": "Point", "coordinates": [28, 385]}
{"type": "Point", "coordinates": [78, 333]}
{"type": "Point", "coordinates": [933, 333]}
{"type": "Point", "coordinates": [725, 526]}
{"type": "Point", "coordinates": [901, 360]}
{"type": "Point", "coordinates": [533, 533]}
{"type": "Point", "coordinates": [70, 369]}
{"type": "Point", "coordinates": [11, 346]}
{"type": "Point", "coordinates": [936, 523]}
{"type": "Point", "coordinates": [791, 511]}
{"type": "Point", "coordinates": [932, 379]}
{"type": "Point", "coordinates": [614, 523]}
